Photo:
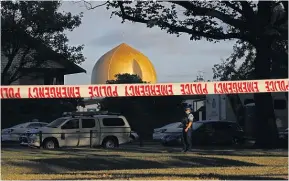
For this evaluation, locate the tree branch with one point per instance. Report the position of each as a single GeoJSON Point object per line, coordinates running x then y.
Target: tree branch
{"type": "Point", "coordinates": [93, 7]}
{"type": "Point", "coordinates": [10, 57]}
{"type": "Point", "coordinates": [247, 11]}
{"type": "Point", "coordinates": [215, 35]}
{"type": "Point", "coordinates": [202, 11]}
{"type": "Point", "coordinates": [232, 6]}
{"type": "Point", "coordinates": [22, 62]}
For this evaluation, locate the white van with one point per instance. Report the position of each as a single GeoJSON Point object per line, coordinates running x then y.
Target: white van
{"type": "Point", "coordinates": [83, 129]}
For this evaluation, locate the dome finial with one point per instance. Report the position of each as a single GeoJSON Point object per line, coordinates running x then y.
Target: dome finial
{"type": "Point", "coordinates": [123, 38]}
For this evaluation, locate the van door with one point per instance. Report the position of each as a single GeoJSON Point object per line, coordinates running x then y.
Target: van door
{"type": "Point", "coordinates": [70, 133]}
{"type": "Point", "coordinates": [87, 125]}
{"type": "Point", "coordinates": [115, 126]}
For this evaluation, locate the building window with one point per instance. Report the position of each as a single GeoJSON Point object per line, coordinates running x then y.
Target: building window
{"type": "Point", "coordinates": [279, 104]}
{"type": "Point", "coordinates": [248, 101]}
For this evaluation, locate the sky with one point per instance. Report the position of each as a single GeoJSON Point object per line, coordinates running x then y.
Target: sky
{"type": "Point", "coordinates": [176, 59]}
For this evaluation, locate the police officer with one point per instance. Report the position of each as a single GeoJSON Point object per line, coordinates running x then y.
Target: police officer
{"type": "Point", "coordinates": [187, 130]}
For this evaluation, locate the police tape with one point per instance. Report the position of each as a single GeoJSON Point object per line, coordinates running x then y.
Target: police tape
{"type": "Point", "coordinates": [128, 90]}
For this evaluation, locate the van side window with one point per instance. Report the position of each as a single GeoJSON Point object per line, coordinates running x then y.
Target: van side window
{"type": "Point", "coordinates": [234, 127]}
{"type": "Point", "coordinates": [279, 104]}
{"type": "Point", "coordinates": [43, 124]}
{"type": "Point", "coordinates": [88, 123]}
{"type": "Point", "coordinates": [209, 127]}
{"type": "Point", "coordinates": [72, 124]}
{"type": "Point", "coordinates": [112, 122]}
{"type": "Point", "coordinates": [220, 126]}
{"type": "Point", "coordinates": [34, 125]}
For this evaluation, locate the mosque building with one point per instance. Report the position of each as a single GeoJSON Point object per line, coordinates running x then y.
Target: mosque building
{"type": "Point", "coordinates": [123, 59]}
{"type": "Point", "coordinates": [120, 60]}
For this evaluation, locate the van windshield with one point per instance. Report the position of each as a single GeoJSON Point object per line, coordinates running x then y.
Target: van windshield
{"type": "Point", "coordinates": [19, 125]}
{"type": "Point", "coordinates": [56, 123]}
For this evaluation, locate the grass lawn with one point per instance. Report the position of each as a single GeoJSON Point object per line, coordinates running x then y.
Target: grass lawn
{"type": "Point", "coordinates": [147, 163]}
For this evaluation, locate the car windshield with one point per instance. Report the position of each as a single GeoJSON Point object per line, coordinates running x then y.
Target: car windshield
{"type": "Point", "coordinates": [56, 123]}
{"type": "Point", "coordinates": [176, 124]}
{"type": "Point", "coordinates": [19, 125]}
{"type": "Point", "coordinates": [196, 125]}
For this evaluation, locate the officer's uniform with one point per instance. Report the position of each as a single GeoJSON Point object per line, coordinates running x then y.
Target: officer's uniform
{"type": "Point", "coordinates": [187, 136]}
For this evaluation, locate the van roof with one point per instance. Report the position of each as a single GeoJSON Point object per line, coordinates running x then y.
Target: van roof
{"type": "Point", "coordinates": [90, 113]}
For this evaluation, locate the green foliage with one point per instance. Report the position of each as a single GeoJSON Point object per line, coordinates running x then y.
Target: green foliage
{"type": "Point", "coordinates": [126, 79]}
{"type": "Point", "coordinates": [28, 29]}
{"type": "Point", "coordinates": [229, 70]}
{"type": "Point", "coordinates": [144, 113]}
{"type": "Point", "coordinates": [212, 20]}
{"type": "Point", "coordinates": [246, 53]}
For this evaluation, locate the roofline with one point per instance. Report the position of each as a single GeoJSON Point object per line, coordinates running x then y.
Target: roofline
{"type": "Point", "coordinates": [49, 54]}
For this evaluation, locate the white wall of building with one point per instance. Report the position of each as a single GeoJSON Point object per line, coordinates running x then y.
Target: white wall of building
{"type": "Point", "coordinates": [195, 105]}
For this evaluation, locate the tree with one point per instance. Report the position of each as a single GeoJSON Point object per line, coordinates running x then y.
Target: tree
{"type": "Point", "coordinates": [228, 69]}
{"type": "Point", "coordinates": [255, 23]}
{"type": "Point", "coordinates": [243, 51]}
{"type": "Point", "coordinates": [29, 29]}
{"type": "Point", "coordinates": [126, 79]}
{"type": "Point", "coordinates": [144, 113]}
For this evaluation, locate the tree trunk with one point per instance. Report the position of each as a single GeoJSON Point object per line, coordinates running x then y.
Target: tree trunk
{"type": "Point", "coordinates": [265, 125]}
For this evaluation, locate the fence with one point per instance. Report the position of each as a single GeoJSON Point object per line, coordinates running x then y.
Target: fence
{"type": "Point", "coordinates": [131, 90]}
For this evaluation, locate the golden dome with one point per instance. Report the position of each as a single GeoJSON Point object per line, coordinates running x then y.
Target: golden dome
{"type": "Point", "coordinates": [123, 59]}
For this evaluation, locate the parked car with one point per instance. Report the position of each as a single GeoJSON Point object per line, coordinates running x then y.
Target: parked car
{"type": "Point", "coordinates": [83, 129]}
{"type": "Point", "coordinates": [175, 138]}
{"type": "Point", "coordinates": [210, 132]}
{"type": "Point", "coordinates": [14, 133]}
{"type": "Point", "coordinates": [159, 133]}
{"type": "Point", "coordinates": [172, 139]}
{"type": "Point", "coordinates": [23, 140]}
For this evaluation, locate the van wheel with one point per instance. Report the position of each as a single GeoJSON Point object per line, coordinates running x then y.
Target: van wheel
{"type": "Point", "coordinates": [50, 144]}
{"type": "Point", "coordinates": [110, 143]}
